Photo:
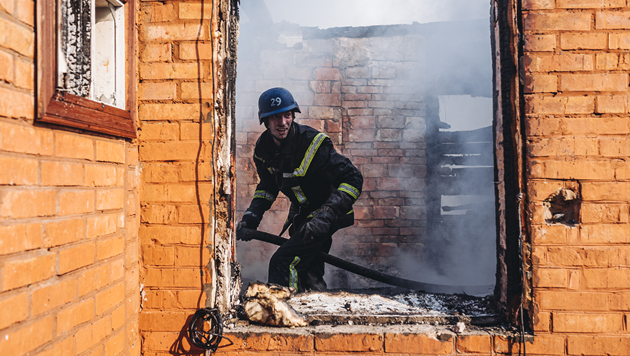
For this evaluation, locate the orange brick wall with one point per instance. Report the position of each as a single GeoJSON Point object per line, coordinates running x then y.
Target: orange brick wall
{"type": "Point", "coordinates": [68, 221]}
{"type": "Point", "coordinates": [577, 117]}
{"type": "Point", "coordinates": [185, 204]}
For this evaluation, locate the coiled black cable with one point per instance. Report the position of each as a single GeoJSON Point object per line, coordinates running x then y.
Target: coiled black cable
{"type": "Point", "coordinates": [206, 329]}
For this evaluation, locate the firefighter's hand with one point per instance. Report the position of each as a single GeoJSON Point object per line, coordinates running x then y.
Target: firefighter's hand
{"type": "Point", "coordinates": [248, 222]}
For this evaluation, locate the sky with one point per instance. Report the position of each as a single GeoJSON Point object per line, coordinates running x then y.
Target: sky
{"type": "Point", "coordinates": [340, 13]}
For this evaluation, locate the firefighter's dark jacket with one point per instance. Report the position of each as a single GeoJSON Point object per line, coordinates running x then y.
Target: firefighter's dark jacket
{"type": "Point", "coordinates": [305, 168]}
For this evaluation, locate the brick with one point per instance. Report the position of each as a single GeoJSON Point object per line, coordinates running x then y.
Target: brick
{"type": "Point", "coordinates": [23, 139]}
{"type": "Point", "coordinates": [173, 278]}
{"type": "Point", "coordinates": [473, 344]}
{"type": "Point", "coordinates": [189, 256]}
{"type": "Point", "coordinates": [47, 298]}
{"type": "Point", "coordinates": [604, 233]}
{"type": "Point", "coordinates": [618, 41]}
{"type": "Point", "coordinates": [612, 20]}
{"type": "Point", "coordinates": [541, 84]}
{"type": "Point", "coordinates": [76, 257]}
{"type": "Point", "coordinates": [190, 131]}
{"type": "Point", "coordinates": [167, 111]}
{"type": "Point", "coordinates": [115, 345]}
{"type": "Point", "coordinates": [583, 40]}
{"type": "Point", "coordinates": [157, 52]}
{"type": "Point", "coordinates": [162, 341]}
{"type": "Point", "coordinates": [418, 344]}
{"type": "Point", "coordinates": [194, 11]}
{"type": "Point", "coordinates": [614, 147]}
{"type": "Point", "coordinates": [23, 340]}
{"type": "Point", "coordinates": [93, 333]}
{"type": "Point", "coordinates": [603, 213]}
{"type": "Point", "coordinates": [73, 146]}
{"type": "Point", "coordinates": [194, 51]}
{"type": "Point", "coordinates": [109, 247]}
{"type": "Point", "coordinates": [24, 73]}
{"type": "Point", "coordinates": [18, 171]}
{"type": "Point", "coordinates": [538, 4]}
{"type": "Point", "coordinates": [169, 71]}
{"type": "Point", "coordinates": [18, 273]}
{"type": "Point", "coordinates": [108, 199]}
{"type": "Point", "coordinates": [538, 21]}
{"type": "Point", "coordinates": [171, 235]}
{"type": "Point", "coordinates": [194, 91]}
{"type": "Point", "coordinates": [63, 232]}
{"type": "Point", "coordinates": [76, 202]}
{"type": "Point", "coordinates": [320, 86]}
{"type": "Point", "coordinates": [162, 320]}
{"type": "Point", "coordinates": [551, 278]}
{"type": "Point", "coordinates": [62, 174]}
{"type": "Point", "coordinates": [108, 151]}
{"type": "Point", "coordinates": [17, 38]}
{"type": "Point", "coordinates": [6, 72]}
{"type": "Point", "coordinates": [8, 5]}
{"type": "Point", "coordinates": [328, 74]}
{"type": "Point", "coordinates": [159, 131]}
{"type": "Point", "coordinates": [565, 62]}
{"type": "Point", "coordinates": [348, 342]}
{"type": "Point", "coordinates": [572, 301]}
{"type": "Point", "coordinates": [542, 344]}
{"type": "Point", "coordinates": [18, 238]}
{"type": "Point", "coordinates": [570, 169]}
{"type": "Point", "coordinates": [169, 193]}
{"type": "Point", "coordinates": [109, 298]}
{"type": "Point", "coordinates": [542, 321]}
{"type": "Point", "coordinates": [589, 4]}
{"type": "Point", "coordinates": [93, 279]}
{"type": "Point", "coordinates": [560, 105]}
{"type": "Point", "coordinates": [16, 309]}
{"type": "Point", "coordinates": [559, 147]}
{"type": "Point", "coordinates": [321, 112]}
{"type": "Point", "coordinates": [173, 32]}
{"type": "Point", "coordinates": [157, 91]}
{"type": "Point", "coordinates": [157, 12]}
{"type": "Point", "coordinates": [98, 175]}
{"type": "Point", "coordinates": [598, 345]}
{"type": "Point", "coordinates": [612, 104]}
{"type": "Point", "coordinates": [171, 151]}
{"type": "Point", "coordinates": [593, 82]}
{"type": "Point", "coordinates": [16, 105]}
{"type": "Point", "coordinates": [614, 191]}
{"type": "Point", "coordinates": [74, 315]}
{"type": "Point", "coordinates": [118, 317]}
{"type": "Point", "coordinates": [24, 204]}
{"type": "Point", "coordinates": [602, 278]}
{"type": "Point", "coordinates": [159, 214]}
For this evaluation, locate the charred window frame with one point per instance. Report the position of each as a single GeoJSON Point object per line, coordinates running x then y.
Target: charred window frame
{"type": "Point", "coordinates": [513, 290]}
{"type": "Point", "coordinates": [70, 90]}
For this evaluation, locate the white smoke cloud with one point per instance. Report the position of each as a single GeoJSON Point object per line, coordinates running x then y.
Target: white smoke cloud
{"type": "Point", "coordinates": [341, 13]}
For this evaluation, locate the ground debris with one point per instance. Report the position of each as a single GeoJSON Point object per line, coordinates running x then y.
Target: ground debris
{"type": "Point", "coordinates": [266, 304]}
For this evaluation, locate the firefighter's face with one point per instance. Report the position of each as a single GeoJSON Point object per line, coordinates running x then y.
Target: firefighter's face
{"type": "Point", "coordinates": [279, 125]}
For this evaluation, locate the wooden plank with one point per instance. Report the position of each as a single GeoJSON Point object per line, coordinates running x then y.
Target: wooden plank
{"type": "Point", "coordinates": [465, 148]}
{"type": "Point", "coordinates": [483, 134]}
{"type": "Point", "coordinates": [484, 159]}
{"type": "Point", "coordinates": [74, 114]}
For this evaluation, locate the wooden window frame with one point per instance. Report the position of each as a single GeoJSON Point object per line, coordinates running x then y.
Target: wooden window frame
{"type": "Point", "coordinates": [58, 107]}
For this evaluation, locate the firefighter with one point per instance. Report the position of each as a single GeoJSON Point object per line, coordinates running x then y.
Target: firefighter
{"type": "Point", "coordinates": [321, 184]}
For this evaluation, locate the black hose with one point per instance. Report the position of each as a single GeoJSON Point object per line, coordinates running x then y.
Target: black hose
{"type": "Point", "coordinates": [378, 276]}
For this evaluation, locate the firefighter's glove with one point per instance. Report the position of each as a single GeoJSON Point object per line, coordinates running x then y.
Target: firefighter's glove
{"type": "Point", "coordinates": [337, 205]}
{"type": "Point", "coordinates": [249, 221]}
{"type": "Point", "coordinates": [319, 226]}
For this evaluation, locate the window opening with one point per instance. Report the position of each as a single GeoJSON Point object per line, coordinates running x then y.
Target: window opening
{"type": "Point", "coordinates": [398, 100]}
{"type": "Point", "coordinates": [82, 65]}
{"type": "Point", "coordinates": [91, 56]}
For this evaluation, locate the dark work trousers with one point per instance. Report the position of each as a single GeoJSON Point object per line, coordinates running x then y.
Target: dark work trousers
{"type": "Point", "coordinates": [296, 264]}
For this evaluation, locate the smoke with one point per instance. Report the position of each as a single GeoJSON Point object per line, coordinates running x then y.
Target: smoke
{"type": "Point", "coordinates": [341, 13]}
{"type": "Point", "coordinates": [424, 215]}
